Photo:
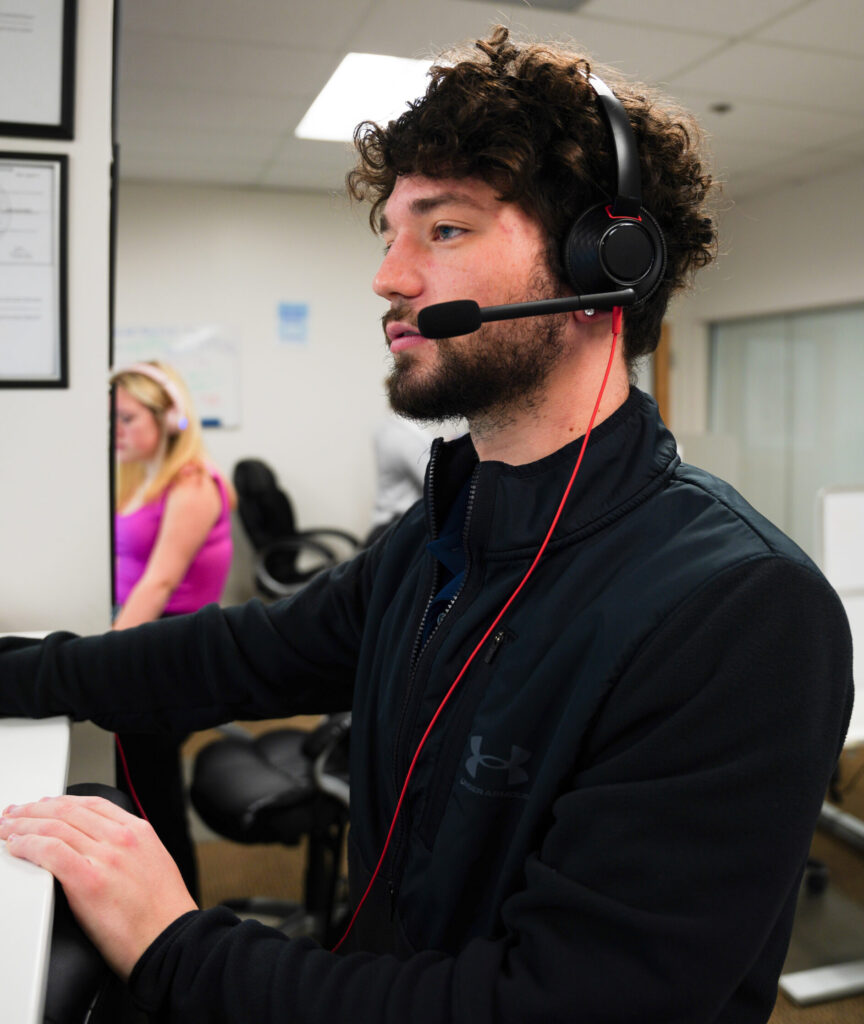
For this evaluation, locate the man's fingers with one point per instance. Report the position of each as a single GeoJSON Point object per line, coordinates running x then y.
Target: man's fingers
{"type": "Point", "coordinates": [99, 805]}
{"type": "Point", "coordinates": [49, 805]}
{"type": "Point", "coordinates": [120, 881]}
{"type": "Point", "coordinates": [93, 816]}
{"type": "Point", "coordinates": [48, 828]}
{"type": "Point", "coordinates": [47, 852]}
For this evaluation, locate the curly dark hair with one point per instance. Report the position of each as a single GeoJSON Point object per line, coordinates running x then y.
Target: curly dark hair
{"type": "Point", "coordinates": [525, 120]}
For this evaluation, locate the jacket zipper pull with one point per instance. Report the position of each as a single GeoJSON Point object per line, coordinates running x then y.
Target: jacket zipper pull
{"type": "Point", "coordinates": [497, 641]}
{"type": "Point", "coordinates": [392, 894]}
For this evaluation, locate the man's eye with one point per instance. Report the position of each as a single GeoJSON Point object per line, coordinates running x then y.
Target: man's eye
{"type": "Point", "coordinates": [447, 231]}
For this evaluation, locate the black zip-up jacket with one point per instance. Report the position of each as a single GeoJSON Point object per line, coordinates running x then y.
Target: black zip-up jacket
{"type": "Point", "coordinates": [609, 820]}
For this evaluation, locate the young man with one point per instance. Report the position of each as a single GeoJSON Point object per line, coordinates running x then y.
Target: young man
{"type": "Point", "coordinates": [613, 784]}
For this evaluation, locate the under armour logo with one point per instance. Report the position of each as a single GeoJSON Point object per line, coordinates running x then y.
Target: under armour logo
{"type": "Point", "coordinates": [518, 756]}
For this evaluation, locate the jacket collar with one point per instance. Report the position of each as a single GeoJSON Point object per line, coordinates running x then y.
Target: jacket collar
{"type": "Point", "coordinates": [511, 507]}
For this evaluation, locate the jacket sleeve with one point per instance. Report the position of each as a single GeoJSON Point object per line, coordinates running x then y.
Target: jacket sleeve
{"type": "Point", "coordinates": [664, 884]}
{"type": "Point", "coordinates": [195, 671]}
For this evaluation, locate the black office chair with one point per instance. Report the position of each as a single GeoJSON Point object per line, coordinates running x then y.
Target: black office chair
{"type": "Point", "coordinates": [279, 788]}
{"type": "Point", "coordinates": [286, 558]}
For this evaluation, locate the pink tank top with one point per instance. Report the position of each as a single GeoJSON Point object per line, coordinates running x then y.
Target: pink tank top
{"type": "Point", "coordinates": [135, 536]}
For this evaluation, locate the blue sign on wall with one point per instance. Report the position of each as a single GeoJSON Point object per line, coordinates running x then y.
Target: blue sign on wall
{"type": "Point", "coordinates": [293, 323]}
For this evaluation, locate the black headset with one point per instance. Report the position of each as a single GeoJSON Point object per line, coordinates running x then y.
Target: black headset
{"type": "Point", "coordinates": [613, 255]}
{"type": "Point", "coordinates": [616, 245]}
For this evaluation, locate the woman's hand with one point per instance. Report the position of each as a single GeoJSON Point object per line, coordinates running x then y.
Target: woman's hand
{"type": "Point", "coordinates": [120, 881]}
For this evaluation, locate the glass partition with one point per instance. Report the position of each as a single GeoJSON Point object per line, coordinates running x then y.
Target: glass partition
{"type": "Point", "coordinates": [787, 391]}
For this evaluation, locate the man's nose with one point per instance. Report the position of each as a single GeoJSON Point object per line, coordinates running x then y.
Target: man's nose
{"type": "Point", "coordinates": [398, 274]}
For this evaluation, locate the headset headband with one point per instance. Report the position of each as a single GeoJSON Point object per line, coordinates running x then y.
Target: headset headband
{"type": "Point", "coordinates": [175, 417]}
{"type": "Point", "coordinates": [628, 200]}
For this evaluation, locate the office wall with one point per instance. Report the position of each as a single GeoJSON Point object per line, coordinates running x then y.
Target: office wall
{"type": "Point", "coordinates": [54, 555]}
{"type": "Point", "coordinates": [799, 248]}
{"type": "Point", "coordinates": [192, 256]}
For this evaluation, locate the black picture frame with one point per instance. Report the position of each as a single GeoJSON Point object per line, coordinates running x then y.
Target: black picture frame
{"type": "Point", "coordinates": [64, 128]}
{"type": "Point", "coordinates": [54, 309]}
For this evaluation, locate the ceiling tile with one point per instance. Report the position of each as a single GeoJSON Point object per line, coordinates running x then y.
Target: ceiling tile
{"type": "Point", "coordinates": [729, 18]}
{"type": "Point", "coordinates": [733, 156]}
{"type": "Point", "coordinates": [212, 89]}
{"type": "Point", "coordinates": [836, 25]}
{"type": "Point", "coordinates": [640, 52]}
{"type": "Point", "coordinates": [772, 72]}
{"type": "Point", "coordinates": [784, 173]}
{"type": "Point", "coordinates": [214, 145]}
{"type": "Point", "coordinates": [749, 184]}
{"type": "Point", "coordinates": [303, 177]}
{"type": "Point", "coordinates": [853, 144]}
{"type": "Point", "coordinates": [817, 162]}
{"type": "Point", "coordinates": [769, 121]}
{"type": "Point", "coordinates": [225, 172]}
{"type": "Point", "coordinates": [269, 21]}
{"type": "Point", "coordinates": [186, 108]}
{"type": "Point", "coordinates": [299, 160]}
{"type": "Point", "coordinates": [173, 62]}
{"type": "Point", "coordinates": [313, 152]}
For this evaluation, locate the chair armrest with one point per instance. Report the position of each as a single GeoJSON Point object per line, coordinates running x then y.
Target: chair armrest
{"type": "Point", "coordinates": [297, 544]}
{"type": "Point", "coordinates": [320, 745]}
{"type": "Point", "coordinates": [330, 784]}
{"type": "Point", "coordinates": [327, 735]}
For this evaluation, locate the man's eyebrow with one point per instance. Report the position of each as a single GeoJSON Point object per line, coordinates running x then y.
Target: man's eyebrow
{"type": "Point", "coordinates": [424, 204]}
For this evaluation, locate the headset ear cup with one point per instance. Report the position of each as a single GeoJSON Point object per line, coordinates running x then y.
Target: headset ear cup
{"type": "Point", "coordinates": [581, 256]}
{"type": "Point", "coordinates": [603, 253]}
{"type": "Point", "coordinates": [176, 420]}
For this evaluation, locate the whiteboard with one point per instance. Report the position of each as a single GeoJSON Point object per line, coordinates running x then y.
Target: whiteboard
{"type": "Point", "coordinates": [205, 356]}
{"type": "Point", "coordinates": [840, 542]}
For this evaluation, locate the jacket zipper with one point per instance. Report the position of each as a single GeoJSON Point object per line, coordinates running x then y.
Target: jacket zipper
{"type": "Point", "coordinates": [471, 492]}
{"type": "Point", "coordinates": [416, 653]}
{"type": "Point", "coordinates": [498, 639]}
{"type": "Point", "coordinates": [415, 649]}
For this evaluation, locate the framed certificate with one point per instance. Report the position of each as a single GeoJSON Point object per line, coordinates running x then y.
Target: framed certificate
{"type": "Point", "coordinates": [33, 274]}
{"type": "Point", "coordinates": [37, 68]}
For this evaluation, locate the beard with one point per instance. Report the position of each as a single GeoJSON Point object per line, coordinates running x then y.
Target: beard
{"type": "Point", "coordinates": [489, 375]}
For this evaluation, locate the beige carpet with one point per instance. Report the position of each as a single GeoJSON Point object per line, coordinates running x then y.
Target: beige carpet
{"type": "Point", "coordinates": [230, 869]}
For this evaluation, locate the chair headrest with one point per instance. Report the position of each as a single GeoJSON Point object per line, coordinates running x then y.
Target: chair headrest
{"type": "Point", "coordinates": [264, 508]}
{"type": "Point", "coordinates": [252, 476]}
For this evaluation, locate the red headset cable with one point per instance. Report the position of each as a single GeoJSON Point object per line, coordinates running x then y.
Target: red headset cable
{"type": "Point", "coordinates": [617, 315]}
{"type": "Point", "coordinates": [128, 778]}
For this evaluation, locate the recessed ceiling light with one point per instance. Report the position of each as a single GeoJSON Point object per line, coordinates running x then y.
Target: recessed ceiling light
{"type": "Point", "coordinates": [365, 87]}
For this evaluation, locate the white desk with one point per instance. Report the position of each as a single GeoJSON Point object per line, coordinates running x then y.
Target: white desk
{"type": "Point", "coordinates": [34, 760]}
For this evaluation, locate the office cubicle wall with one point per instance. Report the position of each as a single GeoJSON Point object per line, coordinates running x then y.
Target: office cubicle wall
{"type": "Point", "coordinates": [54, 513]}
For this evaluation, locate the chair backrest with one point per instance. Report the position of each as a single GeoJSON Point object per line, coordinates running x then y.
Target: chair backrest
{"type": "Point", "coordinates": [264, 508]}
{"type": "Point", "coordinates": [286, 557]}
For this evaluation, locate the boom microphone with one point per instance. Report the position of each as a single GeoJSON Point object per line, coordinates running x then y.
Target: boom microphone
{"type": "Point", "coordinates": [464, 316]}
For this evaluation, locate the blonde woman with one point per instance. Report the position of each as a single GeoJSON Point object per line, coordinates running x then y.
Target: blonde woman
{"type": "Point", "coordinates": [172, 555]}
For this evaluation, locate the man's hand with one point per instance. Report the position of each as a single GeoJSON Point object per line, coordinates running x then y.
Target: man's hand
{"type": "Point", "coordinates": [120, 881]}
